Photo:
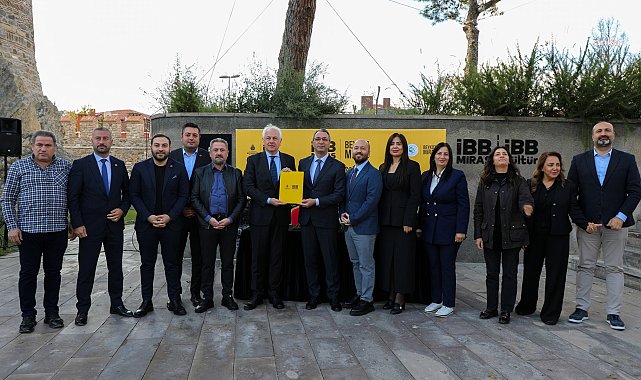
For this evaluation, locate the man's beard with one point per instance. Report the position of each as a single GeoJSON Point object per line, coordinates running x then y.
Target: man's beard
{"type": "Point", "coordinates": [163, 158]}
{"type": "Point", "coordinates": [360, 159]}
{"type": "Point", "coordinates": [604, 143]}
{"type": "Point", "coordinates": [219, 161]}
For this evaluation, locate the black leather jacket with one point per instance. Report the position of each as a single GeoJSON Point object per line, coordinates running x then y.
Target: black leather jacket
{"type": "Point", "coordinates": [514, 231]}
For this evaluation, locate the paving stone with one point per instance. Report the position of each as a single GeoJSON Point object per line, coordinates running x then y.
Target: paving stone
{"type": "Point", "coordinates": [53, 355]}
{"type": "Point", "coordinates": [255, 368]}
{"type": "Point", "coordinates": [354, 373]}
{"type": "Point", "coordinates": [319, 323]}
{"type": "Point", "coordinates": [131, 360]}
{"type": "Point", "coordinates": [295, 357]}
{"type": "Point", "coordinates": [107, 339]}
{"type": "Point", "coordinates": [285, 321]}
{"type": "Point", "coordinates": [377, 359]}
{"type": "Point", "coordinates": [253, 340]}
{"type": "Point", "coordinates": [419, 360]}
{"type": "Point", "coordinates": [82, 368]}
{"type": "Point", "coordinates": [333, 353]}
{"type": "Point", "coordinates": [171, 361]}
{"type": "Point", "coordinates": [467, 365]}
{"type": "Point", "coordinates": [559, 369]}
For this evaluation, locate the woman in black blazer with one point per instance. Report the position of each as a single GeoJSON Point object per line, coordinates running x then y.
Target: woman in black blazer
{"type": "Point", "coordinates": [549, 227]}
{"type": "Point", "coordinates": [397, 215]}
{"type": "Point", "coordinates": [444, 211]}
{"type": "Point", "coordinates": [502, 203]}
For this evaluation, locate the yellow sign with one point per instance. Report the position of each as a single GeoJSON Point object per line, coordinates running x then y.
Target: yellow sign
{"type": "Point", "coordinates": [291, 187]}
{"type": "Point", "coordinates": [298, 143]}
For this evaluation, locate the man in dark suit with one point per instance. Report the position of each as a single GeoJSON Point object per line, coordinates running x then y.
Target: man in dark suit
{"type": "Point", "coordinates": [217, 197]}
{"type": "Point", "coordinates": [192, 157]}
{"type": "Point", "coordinates": [609, 189]}
{"type": "Point", "coordinates": [360, 217]}
{"type": "Point", "coordinates": [159, 190]}
{"type": "Point", "coordinates": [98, 196]}
{"type": "Point", "coordinates": [269, 218]}
{"type": "Point", "coordinates": [323, 191]}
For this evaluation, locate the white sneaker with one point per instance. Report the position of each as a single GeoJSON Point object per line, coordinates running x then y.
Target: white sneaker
{"type": "Point", "coordinates": [433, 307]}
{"type": "Point", "coordinates": [444, 312]}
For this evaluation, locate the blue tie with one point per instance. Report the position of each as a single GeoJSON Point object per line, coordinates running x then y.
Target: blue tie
{"type": "Point", "coordinates": [272, 170]}
{"type": "Point", "coordinates": [318, 169]}
{"type": "Point", "coordinates": [352, 180]}
{"type": "Point", "coordinates": [105, 176]}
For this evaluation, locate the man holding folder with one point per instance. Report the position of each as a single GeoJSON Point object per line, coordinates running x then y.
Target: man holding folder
{"type": "Point", "coordinates": [269, 217]}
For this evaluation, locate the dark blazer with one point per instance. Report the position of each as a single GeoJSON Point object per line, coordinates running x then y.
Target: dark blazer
{"type": "Point", "coordinates": [361, 199]}
{"type": "Point", "coordinates": [329, 189]}
{"type": "Point", "coordinates": [258, 185]}
{"type": "Point", "coordinates": [142, 191]}
{"type": "Point", "coordinates": [88, 201]}
{"type": "Point", "coordinates": [202, 182]}
{"type": "Point", "coordinates": [446, 211]}
{"type": "Point", "coordinates": [399, 204]}
{"type": "Point", "coordinates": [513, 198]}
{"type": "Point", "coordinates": [202, 159]}
{"type": "Point", "coordinates": [564, 203]}
{"type": "Point", "coordinates": [621, 190]}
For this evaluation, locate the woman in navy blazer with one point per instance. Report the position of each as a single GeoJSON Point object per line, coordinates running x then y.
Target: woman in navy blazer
{"type": "Point", "coordinates": [445, 211]}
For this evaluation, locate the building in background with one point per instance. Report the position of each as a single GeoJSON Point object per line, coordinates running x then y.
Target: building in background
{"type": "Point", "coordinates": [130, 130]}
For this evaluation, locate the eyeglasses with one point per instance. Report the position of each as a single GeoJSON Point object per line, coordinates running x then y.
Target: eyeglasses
{"type": "Point", "coordinates": [324, 139]}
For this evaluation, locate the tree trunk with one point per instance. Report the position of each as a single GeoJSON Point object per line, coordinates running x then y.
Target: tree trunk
{"type": "Point", "coordinates": [472, 35]}
{"type": "Point", "coordinates": [296, 37]}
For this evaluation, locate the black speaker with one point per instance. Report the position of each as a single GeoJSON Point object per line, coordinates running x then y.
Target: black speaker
{"type": "Point", "coordinates": [10, 137]}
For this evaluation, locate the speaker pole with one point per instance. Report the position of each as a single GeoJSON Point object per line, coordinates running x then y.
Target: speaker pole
{"type": "Point", "coordinates": [5, 237]}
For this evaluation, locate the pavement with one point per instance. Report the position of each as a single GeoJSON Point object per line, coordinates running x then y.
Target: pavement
{"type": "Point", "coordinates": [295, 343]}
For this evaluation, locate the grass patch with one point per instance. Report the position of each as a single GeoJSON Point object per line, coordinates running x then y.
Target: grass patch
{"type": "Point", "coordinates": [130, 218]}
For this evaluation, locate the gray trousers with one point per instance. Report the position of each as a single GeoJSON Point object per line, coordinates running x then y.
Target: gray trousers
{"type": "Point", "coordinates": [361, 254]}
{"type": "Point", "coordinates": [612, 244]}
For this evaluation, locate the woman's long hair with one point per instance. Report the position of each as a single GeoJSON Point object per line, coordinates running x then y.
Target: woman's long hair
{"type": "Point", "coordinates": [489, 171]}
{"type": "Point", "coordinates": [537, 176]}
{"type": "Point", "coordinates": [402, 166]}
{"type": "Point", "coordinates": [448, 168]}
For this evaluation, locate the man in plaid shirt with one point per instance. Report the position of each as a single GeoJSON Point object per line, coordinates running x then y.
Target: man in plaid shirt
{"type": "Point", "coordinates": [37, 187]}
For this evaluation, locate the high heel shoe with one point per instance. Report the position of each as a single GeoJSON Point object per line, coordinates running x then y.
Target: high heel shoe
{"type": "Point", "coordinates": [397, 308]}
{"type": "Point", "coordinates": [388, 305]}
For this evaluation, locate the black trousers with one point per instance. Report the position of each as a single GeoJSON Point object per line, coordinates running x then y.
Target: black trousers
{"type": "Point", "coordinates": [554, 250]}
{"type": "Point", "coordinates": [49, 246]}
{"type": "Point", "coordinates": [267, 258]}
{"type": "Point", "coordinates": [148, 240]}
{"type": "Point", "coordinates": [211, 239]}
{"type": "Point", "coordinates": [442, 266]}
{"type": "Point", "coordinates": [88, 253]}
{"type": "Point", "coordinates": [191, 229]}
{"type": "Point", "coordinates": [320, 244]}
{"type": "Point", "coordinates": [510, 259]}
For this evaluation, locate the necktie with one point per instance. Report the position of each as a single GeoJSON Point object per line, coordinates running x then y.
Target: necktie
{"type": "Point", "coordinates": [272, 170]}
{"type": "Point", "coordinates": [318, 169]}
{"type": "Point", "coordinates": [105, 176]}
{"type": "Point", "coordinates": [352, 180]}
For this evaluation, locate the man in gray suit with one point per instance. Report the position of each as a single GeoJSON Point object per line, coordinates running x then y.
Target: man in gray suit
{"type": "Point", "coordinates": [359, 214]}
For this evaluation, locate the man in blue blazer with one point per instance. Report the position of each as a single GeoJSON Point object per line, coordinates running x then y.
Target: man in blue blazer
{"type": "Point", "coordinates": [98, 196]}
{"type": "Point", "coordinates": [159, 191]}
{"type": "Point", "coordinates": [323, 191]}
{"type": "Point", "coordinates": [609, 189]}
{"type": "Point", "coordinates": [359, 214]}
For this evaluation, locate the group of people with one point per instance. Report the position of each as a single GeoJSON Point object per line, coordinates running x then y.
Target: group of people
{"type": "Point", "coordinates": [190, 194]}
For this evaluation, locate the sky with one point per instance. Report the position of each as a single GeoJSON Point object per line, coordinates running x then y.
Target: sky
{"type": "Point", "coordinates": [107, 54]}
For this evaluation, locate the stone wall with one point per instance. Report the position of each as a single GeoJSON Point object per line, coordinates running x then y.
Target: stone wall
{"type": "Point", "coordinates": [468, 136]}
{"type": "Point", "coordinates": [20, 88]}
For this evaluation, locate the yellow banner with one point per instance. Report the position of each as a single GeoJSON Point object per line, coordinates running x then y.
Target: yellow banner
{"type": "Point", "coordinates": [298, 143]}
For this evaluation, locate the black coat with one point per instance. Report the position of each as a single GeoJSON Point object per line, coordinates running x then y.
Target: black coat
{"type": "Point", "coordinates": [512, 199]}
{"type": "Point", "coordinates": [399, 203]}
{"type": "Point", "coordinates": [620, 192]}
{"type": "Point", "coordinates": [258, 185]}
{"type": "Point", "coordinates": [563, 204]}
{"type": "Point", "coordinates": [202, 182]}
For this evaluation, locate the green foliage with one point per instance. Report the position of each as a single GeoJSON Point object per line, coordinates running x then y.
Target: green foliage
{"type": "Point", "coordinates": [602, 81]}
{"type": "Point", "coordinates": [182, 91]}
{"type": "Point", "coordinates": [443, 10]}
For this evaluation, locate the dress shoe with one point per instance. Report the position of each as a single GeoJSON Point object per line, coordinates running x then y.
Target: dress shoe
{"type": "Point", "coordinates": [487, 314]}
{"type": "Point", "coordinates": [81, 319]}
{"type": "Point", "coordinates": [204, 306]}
{"type": "Point", "coordinates": [253, 303]}
{"type": "Point", "coordinates": [27, 325]}
{"type": "Point", "coordinates": [54, 320]}
{"type": "Point", "coordinates": [551, 322]}
{"type": "Point", "coordinates": [196, 299]}
{"type": "Point", "coordinates": [397, 308]}
{"type": "Point", "coordinates": [121, 310]}
{"type": "Point", "coordinates": [229, 303]}
{"type": "Point", "coordinates": [389, 304]}
{"type": "Point", "coordinates": [145, 307]}
{"type": "Point", "coordinates": [353, 302]}
{"type": "Point", "coordinates": [362, 308]}
{"type": "Point", "coordinates": [522, 310]}
{"type": "Point", "coordinates": [504, 318]}
{"type": "Point", "coordinates": [335, 305]}
{"type": "Point", "coordinates": [277, 303]}
{"type": "Point", "coordinates": [311, 304]}
{"type": "Point", "coordinates": [176, 306]}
